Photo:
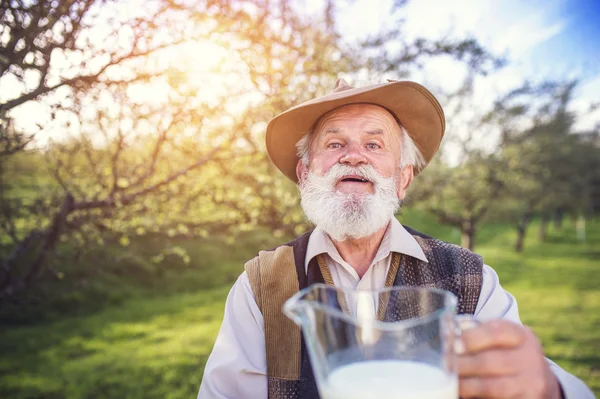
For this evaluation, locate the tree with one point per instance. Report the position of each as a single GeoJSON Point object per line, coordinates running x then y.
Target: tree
{"type": "Point", "coordinates": [133, 159]}
{"type": "Point", "coordinates": [462, 193]}
{"type": "Point", "coordinates": [548, 164]}
{"type": "Point", "coordinates": [459, 196]}
{"type": "Point", "coordinates": [46, 46]}
{"type": "Point", "coordinates": [177, 156]}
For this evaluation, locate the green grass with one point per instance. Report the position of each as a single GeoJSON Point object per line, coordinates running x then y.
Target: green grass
{"type": "Point", "coordinates": [148, 348]}
{"type": "Point", "coordinates": [557, 288]}
{"type": "Point", "coordinates": [154, 343]}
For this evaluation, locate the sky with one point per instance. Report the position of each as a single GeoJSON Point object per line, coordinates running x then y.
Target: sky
{"type": "Point", "coordinates": [543, 39]}
{"type": "Point", "coordinates": [550, 37]}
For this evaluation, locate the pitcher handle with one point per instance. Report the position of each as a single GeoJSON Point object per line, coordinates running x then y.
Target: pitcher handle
{"type": "Point", "coordinates": [463, 322]}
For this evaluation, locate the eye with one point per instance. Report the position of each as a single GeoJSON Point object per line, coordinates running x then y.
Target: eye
{"type": "Point", "coordinates": [373, 146]}
{"type": "Point", "coordinates": [334, 145]}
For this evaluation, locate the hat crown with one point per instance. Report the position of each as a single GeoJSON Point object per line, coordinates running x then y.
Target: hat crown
{"type": "Point", "coordinates": [341, 85]}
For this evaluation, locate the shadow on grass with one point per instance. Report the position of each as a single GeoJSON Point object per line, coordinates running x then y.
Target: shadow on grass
{"type": "Point", "coordinates": [153, 348]}
{"type": "Point", "coordinates": [109, 275]}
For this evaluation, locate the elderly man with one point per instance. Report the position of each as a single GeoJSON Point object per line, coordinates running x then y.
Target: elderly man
{"type": "Point", "coordinates": [354, 154]}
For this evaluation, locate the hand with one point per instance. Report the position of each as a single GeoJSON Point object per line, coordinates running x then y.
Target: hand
{"type": "Point", "coordinates": [502, 359]}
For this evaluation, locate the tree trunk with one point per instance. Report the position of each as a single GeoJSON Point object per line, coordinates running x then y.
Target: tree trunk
{"type": "Point", "coordinates": [558, 218]}
{"type": "Point", "coordinates": [543, 231]}
{"type": "Point", "coordinates": [49, 239]}
{"type": "Point", "coordinates": [580, 228]}
{"type": "Point", "coordinates": [521, 230]}
{"type": "Point", "coordinates": [467, 235]}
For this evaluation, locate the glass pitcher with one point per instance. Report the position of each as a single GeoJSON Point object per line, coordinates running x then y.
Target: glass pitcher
{"type": "Point", "coordinates": [394, 343]}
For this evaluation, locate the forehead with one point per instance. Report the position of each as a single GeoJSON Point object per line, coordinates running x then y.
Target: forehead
{"type": "Point", "coordinates": [358, 116]}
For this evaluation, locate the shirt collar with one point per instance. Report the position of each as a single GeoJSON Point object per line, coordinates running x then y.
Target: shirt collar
{"type": "Point", "coordinates": [396, 239]}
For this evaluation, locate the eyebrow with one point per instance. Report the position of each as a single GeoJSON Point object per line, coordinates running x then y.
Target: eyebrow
{"type": "Point", "coordinates": [332, 130]}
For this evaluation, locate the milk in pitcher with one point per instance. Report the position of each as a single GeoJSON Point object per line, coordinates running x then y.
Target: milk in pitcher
{"type": "Point", "coordinates": [390, 379]}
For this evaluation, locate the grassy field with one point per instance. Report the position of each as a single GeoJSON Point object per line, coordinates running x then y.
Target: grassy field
{"type": "Point", "coordinates": [154, 344]}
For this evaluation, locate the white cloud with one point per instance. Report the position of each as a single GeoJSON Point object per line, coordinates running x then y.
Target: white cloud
{"type": "Point", "coordinates": [361, 17]}
{"type": "Point", "coordinates": [587, 94]}
{"type": "Point", "coordinates": [504, 26]}
{"type": "Point", "coordinates": [527, 33]}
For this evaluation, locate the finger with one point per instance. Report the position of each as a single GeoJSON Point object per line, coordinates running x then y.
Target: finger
{"type": "Point", "coordinates": [493, 334]}
{"type": "Point", "coordinates": [489, 388]}
{"type": "Point", "coordinates": [490, 363]}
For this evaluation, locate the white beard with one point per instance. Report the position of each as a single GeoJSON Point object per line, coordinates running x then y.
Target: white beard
{"type": "Point", "coordinates": [348, 215]}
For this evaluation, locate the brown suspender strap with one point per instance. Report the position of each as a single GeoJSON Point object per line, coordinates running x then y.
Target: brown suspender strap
{"type": "Point", "coordinates": [325, 270]}
{"type": "Point", "coordinates": [393, 270]}
{"type": "Point", "coordinates": [389, 281]}
{"type": "Point", "coordinates": [329, 281]}
{"type": "Point", "coordinates": [273, 279]}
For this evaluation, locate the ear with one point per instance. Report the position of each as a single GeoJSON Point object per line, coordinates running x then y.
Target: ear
{"type": "Point", "coordinates": [301, 171]}
{"type": "Point", "coordinates": [403, 180]}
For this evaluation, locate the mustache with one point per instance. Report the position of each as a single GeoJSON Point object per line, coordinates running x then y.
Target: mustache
{"type": "Point", "coordinates": [339, 171]}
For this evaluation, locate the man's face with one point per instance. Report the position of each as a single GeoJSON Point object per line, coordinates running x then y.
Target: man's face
{"type": "Point", "coordinates": [356, 135]}
{"type": "Point", "coordinates": [353, 184]}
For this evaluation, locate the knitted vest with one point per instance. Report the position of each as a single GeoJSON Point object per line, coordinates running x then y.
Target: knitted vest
{"type": "Point", "coordinates": [277, 274]}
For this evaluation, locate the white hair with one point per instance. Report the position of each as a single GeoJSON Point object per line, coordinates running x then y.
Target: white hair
{"type": "Point", "coordinates": [409, 152]}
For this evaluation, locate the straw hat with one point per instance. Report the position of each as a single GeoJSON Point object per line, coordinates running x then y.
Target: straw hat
{"type": "Point", "coordinates": [413, 106]}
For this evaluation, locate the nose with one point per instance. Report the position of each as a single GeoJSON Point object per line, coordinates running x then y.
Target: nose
{"type": "Point", "coordinates": [353, 156]}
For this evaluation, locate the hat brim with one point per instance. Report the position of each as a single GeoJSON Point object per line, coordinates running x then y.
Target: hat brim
{"type": "Point", "coordinates": [410, 103]}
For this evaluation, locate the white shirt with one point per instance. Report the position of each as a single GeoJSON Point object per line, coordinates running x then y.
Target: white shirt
{"type": "Point", "coordinates": [237, 368]}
